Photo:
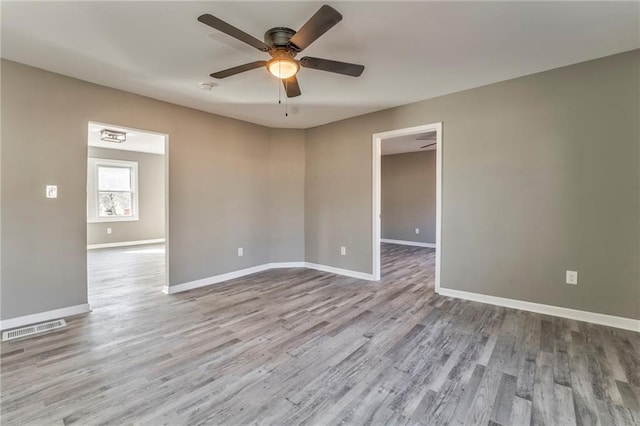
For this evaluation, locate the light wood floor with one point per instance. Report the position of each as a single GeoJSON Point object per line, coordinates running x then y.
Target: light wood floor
{"type": "Point", "coordinates": [288, 347]}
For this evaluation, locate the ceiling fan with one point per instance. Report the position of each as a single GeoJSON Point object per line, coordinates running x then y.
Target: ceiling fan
{"type": "Point", "coordinates": [427, 137]}
{"type": "Point", "coordinates": [283, 44]}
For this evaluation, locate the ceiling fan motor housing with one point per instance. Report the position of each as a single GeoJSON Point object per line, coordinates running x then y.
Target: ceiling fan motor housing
{"type": "Point", "coordinates": [279, 37]}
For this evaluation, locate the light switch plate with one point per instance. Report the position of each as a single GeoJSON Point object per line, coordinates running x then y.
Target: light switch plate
{"type": "Point", "coordinates": [52, 191]}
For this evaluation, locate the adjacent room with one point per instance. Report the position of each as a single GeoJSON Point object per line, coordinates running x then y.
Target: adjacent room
{"type": "Point", "coordinates": [283, 213]}
{"type": "Point", "coordinates": [409, 202]}
{"type": "Point", "coordinates": [126, 209]}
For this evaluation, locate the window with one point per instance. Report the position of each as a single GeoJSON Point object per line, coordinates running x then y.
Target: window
{"type": "Point", "coordinates": [112, 190]}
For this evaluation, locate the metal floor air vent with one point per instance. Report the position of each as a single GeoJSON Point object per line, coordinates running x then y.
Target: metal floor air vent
{"type": "Point", "coordinates": [32, 329]}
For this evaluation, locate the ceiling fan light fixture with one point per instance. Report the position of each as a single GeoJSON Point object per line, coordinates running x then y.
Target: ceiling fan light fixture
{"type": "Point", "coordinates": [283, 68]}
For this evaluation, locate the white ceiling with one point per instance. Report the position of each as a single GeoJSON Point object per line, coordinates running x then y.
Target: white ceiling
{"type": "Point", "coordinates": [411, 50]}
{"type": "Point", "coordinates": [137, 140]}
{"type": "Point", "coordinates": [408, 143]}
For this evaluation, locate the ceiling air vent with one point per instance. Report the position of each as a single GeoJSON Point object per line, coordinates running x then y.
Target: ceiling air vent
{"type": "Point", "coordinates": [32, 329]}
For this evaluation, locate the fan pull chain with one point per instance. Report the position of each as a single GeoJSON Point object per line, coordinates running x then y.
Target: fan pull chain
{"type": "Point", "coordinates": [279, 87]}
{"type": "Point", "coordinates": [286, 89]}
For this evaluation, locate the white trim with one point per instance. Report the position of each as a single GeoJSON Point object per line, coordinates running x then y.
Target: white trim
{"type": "Point", "coordinates": [592, 317]}
{"type": "Point", "coordinates": [376, 141]}
{"type": "Point", "coordinates": [260, 268]}
{"type": "Point", "coordinates": [439, 151]}
{"type": "Point", "coordinates": [376, 183]}
{"type": "Point", "coordinates": [278, 265]}
{"type": "Point", "coordinates": [44, 316]}
{"type": "Point", "coordinates": [340, 271]}
{"type": "Point", "coordinates": [203, 282]}
{"type": "Point", "coordinates": [124, 244]}
{"type": "Point", "coordinates": [407, 243]}
{"type": "Point", "coordinates": [167, 246]}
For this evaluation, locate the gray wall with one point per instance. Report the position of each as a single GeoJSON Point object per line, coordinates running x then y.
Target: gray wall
{"type": "Point", "coordinates": [408, 196]}
{"type": "Point", "coordinates": [338, 195]}
{"type": "Point", "coordinates": [219, 187]}
{"type": "Point", "coordinates": [540, 174]}
{"type": "Point", "coordinates": [286, 195]}
{"type": "Point", "coordinates": [151, 207]}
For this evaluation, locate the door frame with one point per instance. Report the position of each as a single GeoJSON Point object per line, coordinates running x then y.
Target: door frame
{"type": "Point", "coordinates": [376, 190]}
{"type": "Point", "coordinates": [166, 189]}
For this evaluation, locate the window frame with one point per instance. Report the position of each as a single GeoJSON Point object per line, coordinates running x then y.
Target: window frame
{"type": "Point", "coordinates": [93, 190]}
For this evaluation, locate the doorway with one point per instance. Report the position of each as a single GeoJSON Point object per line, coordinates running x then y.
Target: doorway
{"type": "Point", "coordinates": [127, 213]}
{"type": "Point", "coordinates": [406, 134]}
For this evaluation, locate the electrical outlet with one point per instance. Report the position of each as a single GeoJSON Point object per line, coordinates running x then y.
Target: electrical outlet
{"type": "Point", "coordinates": [108, 230]}
{"type": "Point", "coordinates": [240, 251]}
{"type": "Point", "coordinates": [572, 277]}
{"type": "Point", "coordinates": [343, 251]}
{"type": "Point", "coordinates": [417, 230]}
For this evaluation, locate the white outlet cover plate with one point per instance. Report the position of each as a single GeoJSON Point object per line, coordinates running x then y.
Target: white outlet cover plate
{"type": "Point", "coordinates": [572, 277]}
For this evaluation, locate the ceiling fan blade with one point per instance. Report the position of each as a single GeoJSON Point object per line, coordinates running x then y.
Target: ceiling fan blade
{"type": "Point", "coordinates": [427, 146]}
{"type": "Point", "coordinates": [292, 87]}
{"type": "Point", "coordinates": [232, 31]}
{"type": "Point", "coordinates": [325, 18]}
{"type": "Point", "coordinates": [240, 68]}
{"type": "Point", "coordinates": [345, 68]}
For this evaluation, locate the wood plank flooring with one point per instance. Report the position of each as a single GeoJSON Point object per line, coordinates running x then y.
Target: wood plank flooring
{"type": "Point", "coordinates": [294, 346]}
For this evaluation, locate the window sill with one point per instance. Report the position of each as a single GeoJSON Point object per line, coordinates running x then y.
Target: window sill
{"type": "Point", "coordinates": [113, 219]}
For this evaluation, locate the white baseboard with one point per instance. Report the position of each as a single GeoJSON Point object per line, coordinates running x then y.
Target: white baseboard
{"type": "Point", "coordinates": [124, 244]}
{"type": "Point", "coordinates": [339, 271]}
{"type": "Point", "coordinates": [44, 316]}
{"type": "Point", "coordinates": [592, 317]}
{"type": "Point", "coordinates": [407, 243]}
{"type": "Point", "coordinates": [260, 268]}
{"type": "Point", "coordinates": [278, 265]}
{"type": "Point", "coordinates": [190, 285]}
